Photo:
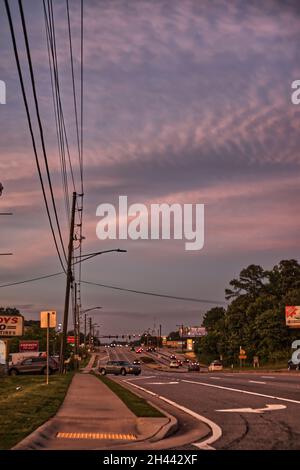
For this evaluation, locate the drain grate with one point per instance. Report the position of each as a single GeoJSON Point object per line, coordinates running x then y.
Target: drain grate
{"type": "Point", "coordinates": [96, 435]}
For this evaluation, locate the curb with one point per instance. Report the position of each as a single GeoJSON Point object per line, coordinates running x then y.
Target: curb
{"type": "Point", "coordinates": [167, 429]}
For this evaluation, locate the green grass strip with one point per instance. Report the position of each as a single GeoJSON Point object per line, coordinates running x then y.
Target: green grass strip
{"type": "Point", "coordinates": [139, 406]}
{"type": "Point", "coordinates": [26, 402]}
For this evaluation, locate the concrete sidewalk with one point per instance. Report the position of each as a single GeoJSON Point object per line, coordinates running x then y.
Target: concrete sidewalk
{"type": "Point", "coordinates": [97, 419]}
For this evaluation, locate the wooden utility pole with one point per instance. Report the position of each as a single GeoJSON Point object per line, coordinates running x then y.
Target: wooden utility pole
{"type": "Point", "coordinates": [68, 287]}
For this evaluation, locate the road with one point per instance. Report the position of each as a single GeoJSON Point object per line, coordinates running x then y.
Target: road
{"type": "Point", "coordinates": [235, 403]}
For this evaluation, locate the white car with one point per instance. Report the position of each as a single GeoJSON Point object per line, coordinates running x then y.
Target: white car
{"type": "Point", "coordinates": [174, 364]}
{"type": "Point", "coordinates": [215, 365]}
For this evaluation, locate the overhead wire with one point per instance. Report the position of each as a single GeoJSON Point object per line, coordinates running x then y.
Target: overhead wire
{"type": "Point", "coordinates": [11, 27]}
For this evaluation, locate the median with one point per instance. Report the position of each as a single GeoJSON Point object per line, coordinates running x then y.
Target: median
{"type": "Point", "coordinates": [138, 405]}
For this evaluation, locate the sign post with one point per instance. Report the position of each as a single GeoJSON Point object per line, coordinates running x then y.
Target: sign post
{"type": "Point", "coordinates": [242, 356]}
{"type": "Point", "coordinates": [48, 319]}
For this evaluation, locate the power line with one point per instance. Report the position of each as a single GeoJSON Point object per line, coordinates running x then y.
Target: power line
{"type": "Point", "coordinates": [31, 280]}
{"type": "Point", "coordinates": [30, 126]}
{"type": "Point", "coordinates": [39, 120]}
{"type": "Point", "coordinates": [155, 294]}
{"type": "Point", "coordinates": [134, 291]}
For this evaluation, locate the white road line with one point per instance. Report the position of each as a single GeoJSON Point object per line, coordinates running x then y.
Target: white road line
{"type": "Point", "coordinates": [256, 382]}
{"type": "Point", "coordinates": [267, 377]}
{"type": "Point", "coordinates": [216, 430]}
{"type": "Point", "coordinates": [247, 392]}
{"type": "Point", "coordinates": [143, 377]}
{"type": "Point", "coordinates": [215, 378]}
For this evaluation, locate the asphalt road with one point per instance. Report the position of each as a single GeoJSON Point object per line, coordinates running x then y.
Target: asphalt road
{"type": "Point", "coordinates": [229, 400]}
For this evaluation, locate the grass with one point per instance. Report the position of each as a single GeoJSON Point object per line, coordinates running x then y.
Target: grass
{"type": "Point", "coordinates": [24, 409]}
{"type": "Point", "coordinates": [139, 406]}
{"type": "Point", "coordinates": [147, 360]}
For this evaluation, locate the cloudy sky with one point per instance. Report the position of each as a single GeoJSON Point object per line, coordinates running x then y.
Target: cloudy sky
{"type": "Point", "coordinates": [185, 101]}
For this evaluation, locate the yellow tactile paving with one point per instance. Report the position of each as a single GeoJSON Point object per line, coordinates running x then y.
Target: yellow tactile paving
{"type": "Point", "coordinates": [96, 435]}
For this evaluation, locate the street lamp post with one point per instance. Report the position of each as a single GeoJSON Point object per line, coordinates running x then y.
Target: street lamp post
{"type": "Point", "coordinates": [84, 312]}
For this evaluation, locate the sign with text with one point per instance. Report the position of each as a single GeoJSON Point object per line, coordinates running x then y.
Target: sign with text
{"type": "Point", "coordinates": [52, 319]}
{"type": "Point", "coordinates": [292, 316]}
{"type": "Point", "coordinates": [28, 346]}
{"type": "Point", "coordinates": [71, 339]}
{"type": "Point", "coordinates": [11, 325]}
{"type": "Point", "coordinates": [3, 352]}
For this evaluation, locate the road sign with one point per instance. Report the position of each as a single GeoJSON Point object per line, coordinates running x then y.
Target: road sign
{"type": "Point", "coordinates": [52, 319]}
{"type": "Point", "coordinates": [11, 325]}
{"type": "Point", "coordinates": [28, 346]}
{"type": "Point", "coordinates": [3, 352]}
{"type": "Point", "coordinates": [242, 356]}
{"type": "Point", "coordinates": [292, 316]}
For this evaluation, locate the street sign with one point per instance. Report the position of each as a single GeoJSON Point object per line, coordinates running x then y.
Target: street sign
{"type": "Point", "coordinates": [28, 346]}
{"type": "Point", "coordinates": [292, 316]}
{"type": "Point", "coordinates": [3, 352]}
{"type": "Point", "coordinates": [242, 356]}
{"type": "Point", "coordinates": [52, 319]}
{"type": "Point", "coordinates": [11, 325]}
{"type": "Point", "coordinates": [71, 339]}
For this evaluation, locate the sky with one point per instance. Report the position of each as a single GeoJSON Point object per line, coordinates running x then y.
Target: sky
{"type": "Point", "coordinates": [185, 101]}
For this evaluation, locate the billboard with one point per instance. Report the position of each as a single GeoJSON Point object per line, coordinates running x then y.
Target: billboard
{"type": "Point", "coordinates": [11, 325]}
{"type": "Point", "coordinates": [192, 331]}
{"type": "Point", "coordinates": [28, 346]}
{"type": "Point", "coordinates": [292, 316]}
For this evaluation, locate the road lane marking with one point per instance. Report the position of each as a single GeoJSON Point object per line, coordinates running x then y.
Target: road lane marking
{"type": "Point", "coordinates": [256, 382]}
{"type": "Point", "coordinates": [254, 410]}
{"type": "Point", "coordinates": [246, 392]}
{"type": "Point", "coordinates": [215, 378]}
{"type": "Point", "coordinates": [267, 377]}
{"type": "Point", "coordinates": [162, 383]}
{"type": "Point", "coordinates": [216, 430]}
{"type": "Point", "coordinates": [143, 377]}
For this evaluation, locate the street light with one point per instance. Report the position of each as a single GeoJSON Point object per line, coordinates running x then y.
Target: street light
{"type": "Point", "coordinates": [84, 312]}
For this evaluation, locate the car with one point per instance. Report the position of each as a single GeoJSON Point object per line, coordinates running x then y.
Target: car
{"type": "Point", "coordinates": [293, 366]}
{"type": "Point", "coordinates": [194, 367]}
{"type": "Point", "coordinates": [215, 366]}
{"type": "Point", "coordinates": [139, 350]}
{"type": "Point", "coordinates": [174, 365]}
{"type": "Point", "coordinates": [33, 365]}
{"type": "Point", "coordinates": [186, 360]}
{"type": "Point", "coordinates": [120, 368]}
{"type": "Point", "coordinates": [137, 362]}
{"type": "Point", "coordinates": [179, 362]}
{"type": "Point", "coordinates": [173, 357]}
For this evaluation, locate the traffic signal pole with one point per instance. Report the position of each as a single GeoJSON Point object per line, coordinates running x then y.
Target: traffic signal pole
{"type": "Point", "coordinates": [68, 287]}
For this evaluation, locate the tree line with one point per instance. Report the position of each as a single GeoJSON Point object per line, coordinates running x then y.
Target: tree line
{"type": "Point", "coordinates": [255, 316]}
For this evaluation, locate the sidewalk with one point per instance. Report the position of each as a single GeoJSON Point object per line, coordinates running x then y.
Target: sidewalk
{"type": "Point", "coordinates": [95, 416]}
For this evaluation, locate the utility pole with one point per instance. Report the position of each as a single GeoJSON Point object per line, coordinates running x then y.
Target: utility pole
{"type": "Point", "coordinates": [90, 334]}
{"type": "Point", "coordinates": [68, 287]}
{"type": "Point", "coordinates": [85, 330]}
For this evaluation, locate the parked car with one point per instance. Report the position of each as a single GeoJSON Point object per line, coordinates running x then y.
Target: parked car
{"type": "Point", "coordinates": [174, 365]}
{"type": "Point", "coordinates": [215, 365]}
{"type": "Point", "coordinates": [33, 365]}
{"type": "Point", "coordinates": [194, 367]}
{"type": "Point", "coordinates": [120, 368]}
{"type": "Point", "coordinates": [293, 366]}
